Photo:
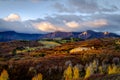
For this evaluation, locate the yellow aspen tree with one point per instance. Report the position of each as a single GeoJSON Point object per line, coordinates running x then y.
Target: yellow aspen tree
{"type": "Point", "coordinates": [110, 70]}
{"type": "Point", "coordinates": [89, 71]}
{"type": "Point", "coordinates": [76, 73]}
{"type": "Point", "coordinates": [4, 75]}
{"type": "Point", "coordinates": [68, 73]}
{"type": "Point", "coordinates": [113, 70]}
{"type": "Point", "coordinates": [37, 77]}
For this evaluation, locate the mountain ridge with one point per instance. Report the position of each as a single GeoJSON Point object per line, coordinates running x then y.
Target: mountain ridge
{"type": "Point", "coordinates": [89, 34]}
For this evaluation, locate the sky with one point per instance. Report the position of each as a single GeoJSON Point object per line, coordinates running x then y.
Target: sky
{"type": "Point", "coordinates": [43, 16]}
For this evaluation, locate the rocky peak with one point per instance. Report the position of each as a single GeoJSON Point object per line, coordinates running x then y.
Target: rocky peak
{"type": "Point", "coordinates": [106, 33]}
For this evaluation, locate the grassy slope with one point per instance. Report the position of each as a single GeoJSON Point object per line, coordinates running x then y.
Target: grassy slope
{"type": "Point", "coordinates": [49, 44]}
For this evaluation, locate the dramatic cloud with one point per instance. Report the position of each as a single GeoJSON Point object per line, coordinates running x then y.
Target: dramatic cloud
{"type": "Point", "coordinates": [12, 17]}
{"type": "Point", "coordinates": [61, 15]}
{"type": "Point", "coordinates": [47, 27]}
{"type": "Point", "coordinates": [63, 23]}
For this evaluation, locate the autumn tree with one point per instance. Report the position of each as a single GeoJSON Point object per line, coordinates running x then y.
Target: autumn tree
{"type": "Point", "coordinates": [89, 71]}
{"type": "Point", "coordinates": [68, 73]}
{"type": "Point", "coordinates": [113, 69]}
{"type": "Point", "coordinates": [76, 75]}
{"type": "Point", "coordinates": [38, 77]}
{"type": "Point", "coordinates": [4, 75]}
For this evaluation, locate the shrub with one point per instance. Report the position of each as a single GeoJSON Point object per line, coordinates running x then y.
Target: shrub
{"type": "Point", "coordinates": [42, 54]}
{"type": "Point", "coordinates": [14, 52]}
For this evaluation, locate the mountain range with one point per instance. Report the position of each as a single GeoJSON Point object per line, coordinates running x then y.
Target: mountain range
{"type": "Point", "coordinates": [89, 34]}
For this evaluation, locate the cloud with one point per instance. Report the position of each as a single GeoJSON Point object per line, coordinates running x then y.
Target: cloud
{"type": "Point", "coordinates": [12, 17]}
{"type": "Point", "coordinates": [87, 24]}
{"type": "Point", "coordinates": [96, 23]}
{"type": "Point", "coordinates": [83, 6]}
{"type": "Point", "coordinates": [86, 6]}
{"type": "Point", "coordinates": [66, 15]}
{"type": "Point", "coordinates": [76, 23]}
{"type": "Point", "coordinates": [72, 24]}
{"type": "Point", "coordinates": [61, 7]}
{"type": "Point", "coordinates": [112, 8]}
{"type": "Point", "coordinates": [47, 27]}
{"type": "Point", "coordinates": [21, 27]}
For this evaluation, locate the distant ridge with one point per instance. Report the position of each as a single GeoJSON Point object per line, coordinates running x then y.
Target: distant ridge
{"type": "Point", "coordinates": [89, 34]}
{"type": "Point", "coordinates": [11, 35]}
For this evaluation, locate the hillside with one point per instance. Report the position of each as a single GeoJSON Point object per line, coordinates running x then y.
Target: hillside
{"type": "Point", "coordinates": [52, 62]}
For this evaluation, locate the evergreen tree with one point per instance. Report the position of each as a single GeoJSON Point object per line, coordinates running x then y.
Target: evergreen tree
{"type": "Point", "coordinates": [101, 70]}
{"type": "Point", "coordinates": [95, 66]}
